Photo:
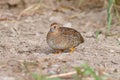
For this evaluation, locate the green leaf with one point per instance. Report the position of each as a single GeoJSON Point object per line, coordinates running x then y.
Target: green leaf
{"type": "Point", "coordinates": [97, 34]}
{"type": "Point", "coordinates": [38, 77]}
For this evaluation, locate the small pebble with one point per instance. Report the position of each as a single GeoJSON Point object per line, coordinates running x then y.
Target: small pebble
{"type": "Point", "coordinates": [112, 51]}
{"type": "Point", "coordinates": [119, 40]}
{"type": "Point", "coordinates": [89, 34]}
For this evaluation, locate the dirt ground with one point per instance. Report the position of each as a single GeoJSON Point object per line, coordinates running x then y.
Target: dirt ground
{"type": "Point", "coordinates": [23, 47]}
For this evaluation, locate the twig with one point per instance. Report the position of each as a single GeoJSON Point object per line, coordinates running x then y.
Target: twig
{"type": "Point", "coordinates": [63, 75]}
{"type": "Point", "coordinates": [32, 8]}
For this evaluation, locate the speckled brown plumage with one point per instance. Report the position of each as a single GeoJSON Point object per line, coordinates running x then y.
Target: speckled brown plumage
{"type": "Point", "coordinates": [61, 38]}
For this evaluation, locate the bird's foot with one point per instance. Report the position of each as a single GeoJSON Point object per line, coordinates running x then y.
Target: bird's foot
{"type": "Point", "coordinates": [72, 50]}
{"type": "Point", "coordinates": [58, 51]}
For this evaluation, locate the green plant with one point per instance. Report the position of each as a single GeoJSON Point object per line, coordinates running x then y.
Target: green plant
{"type": "Point", "coordinates": [38, 77]}
{"type": "Point", "coordinates": [87, 71]}
{"type": "Point", "coordinates": [109, 15]}
{"type": "Point", "coordinates": [97, 34]}
{"type": "Point", "coordinates": [81, 72]}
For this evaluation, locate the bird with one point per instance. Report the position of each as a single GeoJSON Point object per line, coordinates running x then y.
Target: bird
{"type": "Point", "coordinates": [62, 38]}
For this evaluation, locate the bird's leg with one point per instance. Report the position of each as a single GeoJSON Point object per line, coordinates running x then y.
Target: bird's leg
{"type": "Point", "coordinates": [58, 51]}
{"type": "Point", "coordinates": [72, 50]}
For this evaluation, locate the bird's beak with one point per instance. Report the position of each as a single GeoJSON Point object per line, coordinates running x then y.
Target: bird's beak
{"type": "Point", "coordinates": [51, 30]}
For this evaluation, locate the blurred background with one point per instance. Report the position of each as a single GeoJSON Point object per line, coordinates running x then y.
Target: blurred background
{"type": "Point", "coordinates": [23, 49]}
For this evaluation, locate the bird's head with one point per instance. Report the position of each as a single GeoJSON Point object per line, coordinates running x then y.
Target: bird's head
{"type": "Point", "coordinates": [54, 27]}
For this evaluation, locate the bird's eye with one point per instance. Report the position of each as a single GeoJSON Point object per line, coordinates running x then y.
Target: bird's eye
{"type": "Point", "coordinates": [54, 27]}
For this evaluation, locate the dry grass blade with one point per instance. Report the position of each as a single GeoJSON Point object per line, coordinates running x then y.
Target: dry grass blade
{"type": "Point", "coordinates": [30, 9]}
{"type": "Point", "coordinates": [64, 75]}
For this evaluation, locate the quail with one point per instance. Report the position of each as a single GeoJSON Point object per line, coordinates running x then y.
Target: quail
{"type": "Point", "coordinates": [63, 38]}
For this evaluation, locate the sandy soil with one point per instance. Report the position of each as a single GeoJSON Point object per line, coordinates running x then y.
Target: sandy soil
{"type": "Point", "coordinates": [27, 51]}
